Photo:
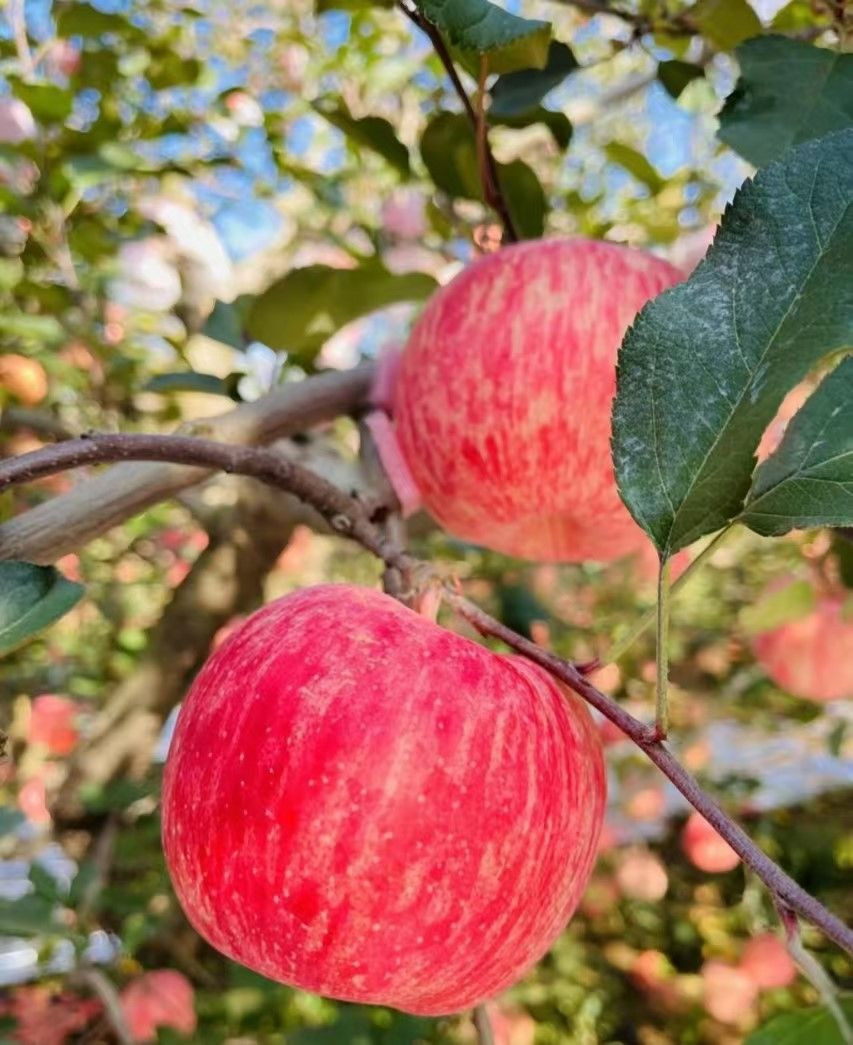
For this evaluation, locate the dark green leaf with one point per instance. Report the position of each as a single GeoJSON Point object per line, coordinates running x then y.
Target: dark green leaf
{"type": "Point", "coordinates": [519, 608]}
{"type": "Point", "coordinates": [705, 366]}
{"type": "Point", "coordinates": [814, 1026]}
{"type": "Point", "coordinates": [765, 115]}
{"type": "Point", "coordinates": [300, 312]}
{"type": "Point", "coordinates": [31, 598]}
{"type": "Point", "coordinates": [48, 103]}
{"type": "Point", "coordinates": [29, 916]}
{"type": "Point", "coordinates": [191, 381]}
{"type": "Point", "coordinates": [168, 69]}
{"type": "Point", "coordinates": [225, 323]}
{"type": "Point", "coordinates": [510, 43]}
{"type": "Point", "coordinates": [43, 883]}
{"type": "Point", "coordinates": [808, 481]}
{"type": "Point", "coordinates": [525, 198]}
{"type": "Point", "coordinates": [635, 163]}
{"type": "Point", "coordinates": [726, 23]}
{"type": "Point", "coordinates": [842, 547]}
{"type": "Point", "coordinates": [450, 154]}
{"type": "Point", "coordinates": [371, 132]}
{"type": "Point", "coordinates": [518, 93]}
{"type": "Point", "coordinates": [792, 602]}
{"type": "Point", "coordinates": [556, 122]}
{"type": "Point", "coordinates": [676, 75]}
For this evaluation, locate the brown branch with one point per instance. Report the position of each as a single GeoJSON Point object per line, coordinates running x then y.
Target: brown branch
{"type": "Point", "coordinates": [343, 513]}
{"type": "Point", "coordinates": [779, 884]}
{"type": "Point", "coordinates": [351, 518]}
{"type": "Point", "coordinates": [492, 192]}
{"type": "Point", "coordinates": [65, 523]}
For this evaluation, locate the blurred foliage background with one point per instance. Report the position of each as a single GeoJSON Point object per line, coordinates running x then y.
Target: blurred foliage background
{"type": "Point", "coordinates": [201, 201]}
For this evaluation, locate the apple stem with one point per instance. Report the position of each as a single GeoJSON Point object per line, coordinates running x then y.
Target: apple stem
{"type": "Point", "coordinates": [618, 649]}
{"type": "Point", "coordinates": [357, 519]}
{"type": "Point", "coordinates": [492, 193]}
{"type": "Point", "coordinates": [483, 1026]}
{"type": "Point", "coordinates": [662, 653]}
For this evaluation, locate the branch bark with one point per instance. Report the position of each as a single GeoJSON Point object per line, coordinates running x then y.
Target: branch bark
{"type": "Point", "coordinates": [61, 525]}
{"type": "Point", "coordinates": [350, 517]}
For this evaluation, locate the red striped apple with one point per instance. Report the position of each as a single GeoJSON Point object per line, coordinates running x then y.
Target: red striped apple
{"type": "Point", "coordinates": [811, 657]}
{"type": "Point", "coordinates": [503, 397]}
{"type": "Point", "coordinates": [363, 804]}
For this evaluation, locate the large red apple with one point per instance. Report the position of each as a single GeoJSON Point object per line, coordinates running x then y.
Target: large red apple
{"type": "Point", "coordinates": [503, 397]}
{"type": "Point", "coordinates": [363, 804]}
{"type": "Point", "coordinates": [811, 657]}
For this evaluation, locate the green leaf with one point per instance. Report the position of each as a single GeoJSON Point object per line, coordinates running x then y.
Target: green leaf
{"type": "Point", "coordinates": [675, 75]}
{"type": "Point", "coordinates": [814, 1026]}
{"type": "Point", "coordinates": [799, 15]}
{"type": "Point", "coordinates": [300, 312]}
{"type": "Point", "coordinates": [192, 381]}
{"type": "Point", "coordinates": [726, 23]}
{"type": "Point", "coordinates": [31, 598]}
{"type": "Point", "coordinates": [706, 365]}
{"type": "Point", "coordinates": [450, 154]}
{"type": "Point", "coordinates": [635, 163]}
{"type": "Point", "coordinates": [764, 115]}
{"type": "Point", "coordinates": [42, 329]}
{"type": "Point", "coordinates": [842, 549]}
{"type": "Point", "coordinates": [29, 916]}
{"type": "Point", "coordinates": [793, 602]}
{"type": "Point", "coordinates": [478, 27]}
{"type": "Point", "coordinates": [808, 481]}
{"type": "Point", "coordinates": [43, 882]}
{"type": "Point", "coordinates": [48, 103]}
{"type": "Point", "coordinates": [557, 123]}
{"type": "Point", "coordinates": [81, 19]}
{"type": "Point", "coordinates": [225, 323]}
{"type": "Point", "coordinates": [525, 198]}
{"type": "Point", "coordinates": [371, 132]}
{"type": "Point", "coordinates": [518, 93]}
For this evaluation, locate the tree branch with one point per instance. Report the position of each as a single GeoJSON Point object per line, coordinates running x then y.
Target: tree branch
{"type": "Point", "coordinates": [492, 192]}
{"type": "Point", "coordinates": [352, 518]}
{"type": "Point", "coordinates": [65, 523]}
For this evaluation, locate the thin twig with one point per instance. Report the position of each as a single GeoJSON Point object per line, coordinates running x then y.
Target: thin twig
{"type": "Point", "coordinates": [98, 983]}
{"type": "Point", "coordinates": [353, 519]}
{"type": "Point", "coordinates": [779, 884]}
{"type": "Point", "coordinates": [492, 193]}
{"type": "Point", "coordinates": [483, 1026]}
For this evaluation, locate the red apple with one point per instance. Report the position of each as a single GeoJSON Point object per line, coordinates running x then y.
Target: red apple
{"type": "Point", "coordinates": [363, 804]}
{"type": "Point", "coordinates": [811, 657]}
{"type": "Point", "coordinates": [766, 961]}
{"type": "Point", "coordinates": [641, 875]}
{"type": "Point", "coordinates": [162, 998]}
{"type": "Point", "coordinates": [503, 397]}
{"type": "Point", "coordinates": [53, 723]}
{"type": "Point", "coordinates": [730, 995]}
{"type": "Point", "coordinates": [706, 849]}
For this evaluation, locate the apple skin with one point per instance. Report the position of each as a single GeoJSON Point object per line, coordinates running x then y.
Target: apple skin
{"type": "Point", "coordinates": [360, 803]}
{"type": "Point", "coordinates": [503, 398]}
{"type": "Point", "coordinates": [811, 657]}
{"type": "Point", "coordinates": [705, 848]}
